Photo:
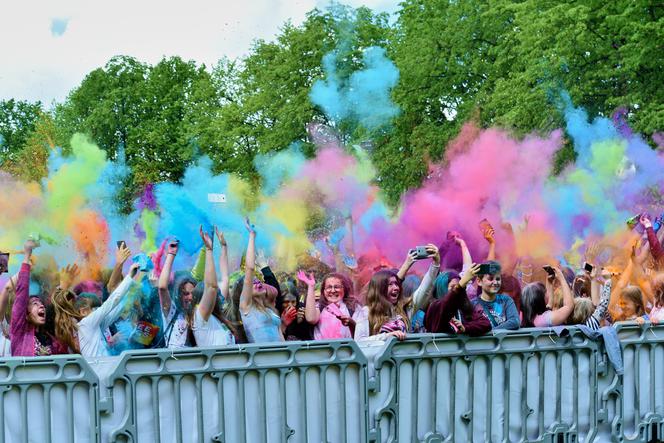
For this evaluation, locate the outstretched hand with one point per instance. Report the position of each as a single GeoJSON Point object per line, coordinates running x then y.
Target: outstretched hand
{"type": "Point", "coordinates": [645, 221]}
{"type": "Point", "coordinates": [470, 274]}
{"type": "Point", "coordinates": [68, 275]}
{"type": "Point", "coordinates": [122, 254]}
{"type": "Point", "coordinates": [309, 280]}
{"type": "Point", "coordinates": [220, 237]}
{"type": "Point", "coordinates": [251, 228]}
{"type": "Point", "coordinates": [207, 240]}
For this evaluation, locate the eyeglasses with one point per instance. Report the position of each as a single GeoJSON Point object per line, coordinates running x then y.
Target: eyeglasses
{"type": "Point", "coordinates": [332, 288]}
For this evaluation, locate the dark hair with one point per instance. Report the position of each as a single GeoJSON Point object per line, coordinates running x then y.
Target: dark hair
{"type": "Point", "coordinates": [349, 299]}
{"type": "Point", "coordinates": [494, 268]}
{"type": "Point", "coordinates": [533, 303]}
{"type": "Point", "coordinates": [512, 287]}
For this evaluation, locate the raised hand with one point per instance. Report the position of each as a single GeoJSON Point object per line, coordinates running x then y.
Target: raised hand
{"type": "Point", "coordinates": [289, 314]}
{"type": "Point", "coordinates": [308, 280]}
{"type": "Point", "coordinates": [645, 221]}
{"type": "Point", "coordinates": [251, 228]}
{"type": "Point", "coordinates": [470, 274]}
{"type": "Point", "coordinates": [489, 235]}
{"type": "Point", "coordinates": [68, 275]}
{"type": "Point", "coordinates": [122, 254]}
{"type": "Point", "coordinates": [220, 237]}
{"type": "Point", "coordinates": [261, 259]}
{"type": "Point", "coordinates": [173, 246]}
{"type": "Point", "coordinates": [433, 252]}
{"type": "Point", "coordinates": [207, 241]}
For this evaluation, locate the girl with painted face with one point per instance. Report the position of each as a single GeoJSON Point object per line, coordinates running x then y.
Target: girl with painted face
{"type": "Point", "coordinates": [27, 329]}
{"type": "Point", "coordinates": [627, 302]}
{"type": "Point", "coordinates": [261, 323]}
{"type": "Point", "coordinates": [336, 314]}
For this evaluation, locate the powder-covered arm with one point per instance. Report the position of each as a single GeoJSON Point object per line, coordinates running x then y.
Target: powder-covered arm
{"type": "Point", "coordinates": [603, 307]}
{"type": "Point", "coordinates": [19, 321]}
{"type": "Point", "coordinates": [427, 282]}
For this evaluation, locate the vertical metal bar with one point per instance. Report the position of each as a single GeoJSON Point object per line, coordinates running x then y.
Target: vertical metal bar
{"type": "Point", "coordinates": [323, 403]}
{"type": "Point", "coordinates": [24, 413]}
{"type": "Point", "coordinates": [302, 373]}
{"type": "Point", "coordinates": [470, 396]}
{"type": "Point", "coordinates": [199, 407]}
{"type": "Point", "coordinates": [434, 389]}
{"type": "Point", "coordinates": [489, 409]}
{"type": "Point", "coordinates": [414, 398]}
{"type": "Point", "coordinates": [652, 383]}
{"type": "Point", "coordinates": [559, 378]}
{"type": "Point", "coordinates": [540, 415]}
{"type": "Point", "coordinates": [154, 385]}
{"type": "Point", "coordinates": [70, 411]}
{"type": "Point", "coordinates": [2, 413]}
{"type": "Point", "coordinates": [47, 410]}
{"type": "Point", "coordinates": [637, 382]}
{"type": "Point", "coordinates": [220, 404]}
{"type": "Point", "coordinates": [342, 402]}
{"type": "Point", "coordinates": [525, 409]}
{"type": "Point", "coordinates": [452, 418]}
{"type": "Point", "coordinates": [506, 397]}
{"type": "Point", "coordinates": [576, 393]}
{"type": "Point", "coordinates": [178, 408]}
{"type": "Point", "coordinates": [262, 406]}
{"type": "Point", "coordinates": [241, 409]}
{"type": "Point", "coordinates": [284, 405]}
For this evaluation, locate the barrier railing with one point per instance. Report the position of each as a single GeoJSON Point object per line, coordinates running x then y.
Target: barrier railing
{"type": "Point", "coordinates": [528, 385]}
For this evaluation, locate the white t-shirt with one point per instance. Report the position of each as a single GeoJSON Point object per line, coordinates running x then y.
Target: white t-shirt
{"type": "Point", "coordinates": [178, 334]}
{"type": "Point", "coordinates": [91, 329]}
{"type": "Point", "coordinates": [211, 332]}
{"type": "Point", "coordinates": [5, 343]}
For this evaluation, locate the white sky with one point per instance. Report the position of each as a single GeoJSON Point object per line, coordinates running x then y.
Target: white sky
{"type": "Point", "coordinates": [36, 63]}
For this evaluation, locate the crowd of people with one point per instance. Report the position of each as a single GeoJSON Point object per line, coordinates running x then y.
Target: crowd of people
{"type": "Point", "coordinates": [154, 306]}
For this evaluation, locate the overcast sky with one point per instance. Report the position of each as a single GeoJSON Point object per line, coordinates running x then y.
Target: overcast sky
{"type": "Point", "coordinates": [47, 47]}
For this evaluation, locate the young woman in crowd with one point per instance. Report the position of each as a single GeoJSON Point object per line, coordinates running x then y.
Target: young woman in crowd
{"type": "Point", "coordinates": [261, 323]}
{"type": "Point", "coordinates": [533, 304]}
{"type": "Point", "coordinates": [336, 314]}
{"type": "Point", "coordinates": [28, 334]}
{"type": "Point", "coordinates": [454, 313]}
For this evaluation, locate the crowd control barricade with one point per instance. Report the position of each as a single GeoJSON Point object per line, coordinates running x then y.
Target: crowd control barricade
{"type": "Point", "coordinates": [293, 391]}
{"type": "Point", "coordinates": [527, 385]}
{"type": "Point", "coordinates": [632, 405]}
{"type": "Point", "coordinates": [48, 399]}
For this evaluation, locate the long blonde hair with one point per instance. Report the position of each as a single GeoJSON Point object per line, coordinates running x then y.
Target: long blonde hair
{"type": "Point", "coordinates": [66, 319]}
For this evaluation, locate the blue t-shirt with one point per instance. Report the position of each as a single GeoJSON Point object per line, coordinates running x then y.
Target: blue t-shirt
{"type": "Point", "coordinates": [501, 312]}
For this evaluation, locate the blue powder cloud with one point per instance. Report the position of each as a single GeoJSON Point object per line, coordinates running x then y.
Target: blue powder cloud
{"type": "Point", "coordinates": [59, 26]}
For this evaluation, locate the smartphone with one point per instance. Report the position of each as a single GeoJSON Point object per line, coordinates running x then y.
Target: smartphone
{"type": "Point", "coordinates": [657, 224]}
{"type": "Point", "coordinates": [4, 262]}
{"type": "Point", "coordinates": [420, 251]}
{"type": "Point", "coordinates": [174, 243]}
{"type": "Point", "coordinates": [588, 267]}
{"type": "Point", "coordinates": [484, 225]}
{"type": "Point", "coordinates": [121, 244]}
{"type": "Point", "coordinates": [549, 270]}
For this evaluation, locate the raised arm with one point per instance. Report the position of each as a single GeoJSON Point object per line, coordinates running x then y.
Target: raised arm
{"type": "Point", "coordinates": [465, 253]}
{"type": "Point", "coordinates": [560, 315]}
{"type": "Point", "coordinates": [19, 321]}
{"type": "Point", "coordinates": [121, 256]}
{"type": "Point", "coordinates": [603, 305]}
{"type": "Point", "coordinates": [246, 298]}
{"type": "Point", "coordinates": [411, 257]}
{"type": "Point", "coordinates": [429, 277]}
{"type": "Point", "coordinates": [224, 279]}
{"type": "Point", "coordinates": [655, 246]}
{"type": "Point", "coordinates": [311, 312]}
{"type": "Point", "coordinates": [595, 285]}
{"type": "Point", "coordinates": [623, 281]}
{"type": "Point", "coordinates": [162, 284]}
{"type": "Point", "coordinates": [270, 278]}
{"type": "Point", "coordinates": [4, 295]}
{"type": "Point", "coordinates": [209, 298]}
{"type": "Point", "coordinates": [102, 316]}
{"type": "Point", "coordinates": [489, 236]}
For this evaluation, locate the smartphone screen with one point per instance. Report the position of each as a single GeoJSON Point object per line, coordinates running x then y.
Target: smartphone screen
{"type": "Point", "coordinates": [588, 267]}
{"type": "Point", "coordinates": [121, 244]}
{"type": "Point", "coordinates": [549, 270]}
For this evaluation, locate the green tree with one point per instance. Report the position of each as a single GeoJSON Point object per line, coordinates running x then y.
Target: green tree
{"type": "Point", "coordinates": [17, 121]}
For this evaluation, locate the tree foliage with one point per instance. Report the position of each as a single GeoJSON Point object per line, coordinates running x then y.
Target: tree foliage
{"type": "Point", "coordinates": [498, 62]}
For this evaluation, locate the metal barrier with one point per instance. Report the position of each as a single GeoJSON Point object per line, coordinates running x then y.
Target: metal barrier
{"type": "Point", "coordinates": [296, 392]}
{"type": "Point", "coordinates": [528, 385]}
{"type": "Point", "coordinates": [48, 399]}
{"type": "Point", "coordinates": [632, 405]}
